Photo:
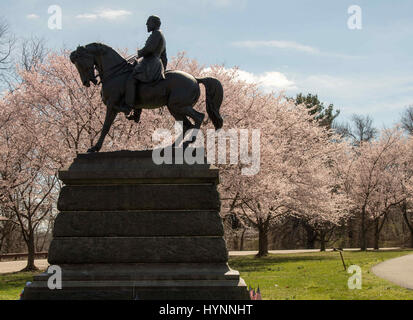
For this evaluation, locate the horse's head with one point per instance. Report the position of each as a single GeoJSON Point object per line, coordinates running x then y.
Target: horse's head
{"type": "Point", "coordinates": [84, 62]}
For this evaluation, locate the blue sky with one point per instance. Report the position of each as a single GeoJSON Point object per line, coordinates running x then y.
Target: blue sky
{"type": "Point", "coordinates": [295, 46]}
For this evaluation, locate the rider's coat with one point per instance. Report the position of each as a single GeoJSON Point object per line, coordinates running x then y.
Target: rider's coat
{"type": "Point", "coordinates": [152, 67]}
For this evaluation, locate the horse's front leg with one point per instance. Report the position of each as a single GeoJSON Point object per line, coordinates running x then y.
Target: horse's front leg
{"type": "Point", "coordinates": [109, 118]}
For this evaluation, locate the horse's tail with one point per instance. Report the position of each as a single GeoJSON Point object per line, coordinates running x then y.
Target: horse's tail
{"type": "Point", "coordinates": [214, 97]}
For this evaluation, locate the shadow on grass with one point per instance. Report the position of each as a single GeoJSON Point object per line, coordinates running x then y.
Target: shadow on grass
{"type": "Point", "coordinates": [14, 280]}
{"type": "Point", "coordinates": [250, 263]}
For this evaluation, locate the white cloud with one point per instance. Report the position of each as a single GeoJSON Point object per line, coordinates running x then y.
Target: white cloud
{"type": "Point", "coordinates": [32, 16]}
{"type": "Point", "coordinates": [108, 14]}
{"type": "Point", "coordinates": [268, 81]}
{"type": "Point", "coordinates": [277, 44]}
{"type": "Point", "coordinates": [358, 86]}
{"type": "Point", "coordinates": [225, 3]}
{"type": "Point", "coordinates": [381, 96]}
{"type": "Point", "coordinates": [113, 14]}
{"type": "Point", "coordinates": [87, 16]}
{"type": "Point", "coordinates": [289, 45]}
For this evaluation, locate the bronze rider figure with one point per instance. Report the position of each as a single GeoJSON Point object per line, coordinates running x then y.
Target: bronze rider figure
{"type": "Point", "coordinates": [150, 69]}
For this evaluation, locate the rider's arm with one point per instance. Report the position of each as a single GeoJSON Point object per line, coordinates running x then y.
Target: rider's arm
{"type": "Point", "coordinates": [150, 45]}
{"type": "Point", "coordinates": [164, 59]}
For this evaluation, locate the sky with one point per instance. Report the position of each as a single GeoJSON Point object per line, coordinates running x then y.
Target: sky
{"type": "Point", "coordinates": [287, 46]}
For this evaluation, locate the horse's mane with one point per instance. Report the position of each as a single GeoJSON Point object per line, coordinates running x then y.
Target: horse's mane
{"type": "Point", "coordinates": [97, 46]}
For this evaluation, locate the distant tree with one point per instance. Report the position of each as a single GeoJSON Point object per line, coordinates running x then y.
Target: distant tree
{"type": "Point", "coordinates": [318, 230]}
{"type": "Point", "coordinates": [408, 218]}
{"type": "Point", "coordinates": [6, 228]}
{"type": "Point", "coordinates": [27, 169]}
{"type": "Point", "coordinates": [360, 129]}
{"type": "Point", "coordinates": [407, 184]}
{"type": "Point", "coordinates": [325, 115]}
{"type": "Point", "coordinates": [7, 42]}
{"type": "Point", "coordinates": [294, 178]}
{"type": "Point", "coordinates": [33, 52]}
{"type": "Point", "coordinates": [374, 181]}
{"type": "Point", "coordinates": [407, 120]}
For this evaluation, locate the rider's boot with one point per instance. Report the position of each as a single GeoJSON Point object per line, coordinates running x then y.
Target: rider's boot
{"type": "Point", "coordinates": [130, 93]}
{"type": "Point", "coordinates": [129, 100]}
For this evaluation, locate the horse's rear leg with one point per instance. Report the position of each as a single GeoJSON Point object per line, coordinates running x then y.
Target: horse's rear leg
{"type": "Point", "coordinates": [186, 126]}
{"type": "Point", "coordinates": [198, 117]}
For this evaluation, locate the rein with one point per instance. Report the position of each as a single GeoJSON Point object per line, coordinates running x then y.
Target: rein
{"type": "Point", "coordinates": [113, 70]}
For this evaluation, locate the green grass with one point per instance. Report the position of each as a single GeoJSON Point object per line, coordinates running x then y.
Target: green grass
{"type": "Point", "coordinates": [308, 276]}
{"type": "Point", "coordinates": [318, 276]}
{"type": "Point", "coordinates": [12, 284]}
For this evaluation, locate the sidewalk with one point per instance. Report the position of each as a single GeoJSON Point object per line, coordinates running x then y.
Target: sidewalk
{"type": "Point", "coordinates": [398, 271]}
{"type": "Point", "coordinates": [14, 266]}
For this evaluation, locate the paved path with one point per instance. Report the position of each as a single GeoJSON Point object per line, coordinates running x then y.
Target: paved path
{"type": "Point", "coordinates": [246, 253]}
{"type": "Point", "coordinates": [14, 266]}
{"type": "Point", "coordinates": [398, 271]}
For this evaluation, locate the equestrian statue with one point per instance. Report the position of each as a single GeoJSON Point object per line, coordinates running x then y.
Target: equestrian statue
{"type": "Point", "coordinates": [146, 84]}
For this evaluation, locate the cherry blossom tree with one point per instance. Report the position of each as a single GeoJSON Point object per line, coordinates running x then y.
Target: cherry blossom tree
{"type": "Point", "coordinates": [407, 186]}
{"type": "Point", "coordinates": [46, 120]}
{"type": "Point", "coordinates": [296, 152]}
{"type": "Point", "coordinates": [376, 181]}
{"type": "Point", "coordinates": [27, 169]}
{"type": "Point", "coordinates": [51, 117]}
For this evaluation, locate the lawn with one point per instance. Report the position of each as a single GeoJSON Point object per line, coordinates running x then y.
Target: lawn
{"type": "Point", "coordinates": [12, 284]}
{"type": "Point", "coordinates": [305, 276]}
{"type": "Point", "coordinates": [318, 276]}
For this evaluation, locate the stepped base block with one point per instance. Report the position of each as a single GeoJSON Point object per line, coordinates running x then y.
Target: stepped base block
{"type": "Point", "coordinates": [137, 249]}
{"type": "Point", "coordinates": [138, 197]}
{"type": "Point", "coordinates": [131, 229]}
{"type": "Point", "coordinates": [138, 223]}
{"type": "Point", "coordinates": [142, 282]}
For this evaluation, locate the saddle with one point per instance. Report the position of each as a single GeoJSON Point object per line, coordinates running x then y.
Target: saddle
{"type": "Point", "coordinates": [151, 94]}
{"type": "Point", "coordinates": [148, 96]}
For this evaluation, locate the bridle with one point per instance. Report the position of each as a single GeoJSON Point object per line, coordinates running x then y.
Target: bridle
{"type": "Point", "coordinates": [112, 70]}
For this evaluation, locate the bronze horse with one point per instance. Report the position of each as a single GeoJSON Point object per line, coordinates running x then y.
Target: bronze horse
{"type": "Point", "coordinates": [180, 91]}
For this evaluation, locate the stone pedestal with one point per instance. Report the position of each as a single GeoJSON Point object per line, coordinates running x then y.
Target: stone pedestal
{"type": "Point", "coordinates": [130, 229]}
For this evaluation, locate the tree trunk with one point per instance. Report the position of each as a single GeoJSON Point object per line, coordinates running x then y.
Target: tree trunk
{"type": "Point", "coordinates": [31, 253]}
{"type": "Point", "coordinates": [262, 240]}
{"type": "Point", "coordinates": [241, 244]}
{"type": "Point", "coordinates": [408, 223]}
{"type": "Point", "coordinates": [411, 239]}
{"type": "Point", "coordinates": [234, 243]}
{"type": "Point", "coordinates": [363, 240]}
{"type": "Point", "coordinates": [310, 236]}
{"type": "Point", "coordinates": [350, 234]}
{"type": "Point", "coordinates": [322, 241]}
{"type": "Point", "coordinates": [363, 232]}
{"type": "Point", "coordinates": [376, 234]}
